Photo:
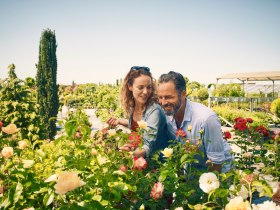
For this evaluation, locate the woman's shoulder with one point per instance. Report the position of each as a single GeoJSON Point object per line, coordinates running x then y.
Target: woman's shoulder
{"type": "Point", "coordinates": [154, 107]}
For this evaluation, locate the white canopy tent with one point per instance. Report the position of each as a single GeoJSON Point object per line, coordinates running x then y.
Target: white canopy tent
{"type": "Point", "coordinates": [254, 76]}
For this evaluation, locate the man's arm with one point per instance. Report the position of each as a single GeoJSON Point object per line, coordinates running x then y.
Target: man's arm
{"type": "Point", "coordinates": [214, 143]}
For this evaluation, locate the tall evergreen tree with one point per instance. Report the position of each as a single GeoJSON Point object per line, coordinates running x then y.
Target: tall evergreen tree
{"type": "Point", "coordinates": [47, 95]}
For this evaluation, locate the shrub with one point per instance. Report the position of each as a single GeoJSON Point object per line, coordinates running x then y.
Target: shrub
{"type": "Point", "coordinates": [275, 107]}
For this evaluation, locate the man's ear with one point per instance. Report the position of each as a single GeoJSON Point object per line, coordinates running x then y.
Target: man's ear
{"type": "Point", "coordinates": [184, 93]}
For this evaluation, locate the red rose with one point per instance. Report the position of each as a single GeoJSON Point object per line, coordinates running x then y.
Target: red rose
{"type": "Point", "coordinates": [241, 121]}
{"type": "Point", "coordinates": [236, 119]}
{"type": "Point", "coordinates": [261, 129]}
{"type": "Point", "coordinates": [249, 120]}
{"type": "Point", "coordinates": [181, 133]}
{"type": "Point", "coordinates": [134, 139]}
{"type": "Point", "coordinates": [227, 135]}
{"type": "Point", "coordinates": [240, 126]}
{"type": "Point", "coordinates": [1, 124]}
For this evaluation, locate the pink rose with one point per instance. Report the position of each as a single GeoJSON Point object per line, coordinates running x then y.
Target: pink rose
{"type": "Point", "coordinates": [181, 133]}
{"type": "Point", "coordinates": [157, 190]}
{"type": "Point", "coordinates": [139, 163]}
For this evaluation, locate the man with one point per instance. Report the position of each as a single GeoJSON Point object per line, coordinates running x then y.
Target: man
{"type": "Point", "coordinates": [183, 114]}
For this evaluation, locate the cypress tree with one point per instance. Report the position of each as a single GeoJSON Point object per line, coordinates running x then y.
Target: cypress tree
{"type": "Point", "coordinates": [47, 88]}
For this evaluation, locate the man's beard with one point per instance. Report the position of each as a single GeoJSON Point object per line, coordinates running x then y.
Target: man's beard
{"type": "Point", "coordinates": [174, 110]}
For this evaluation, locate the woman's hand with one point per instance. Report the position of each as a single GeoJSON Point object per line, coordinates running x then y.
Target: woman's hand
{"type": "Point", "coordinates": [113, 122]}
{"type": "Point", "coordinates": [127, 147]}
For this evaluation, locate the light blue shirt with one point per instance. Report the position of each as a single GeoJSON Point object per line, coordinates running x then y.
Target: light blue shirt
{"type": "Point", "coordinates": [156, 137]}
{"type": "Point", "coordinates": [203, 120]}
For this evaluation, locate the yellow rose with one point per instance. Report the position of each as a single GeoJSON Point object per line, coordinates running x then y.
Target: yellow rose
{"type": "Point", "coordinates": [167, 152]}
{"type": "Point", "coordinates": [68, 181]}
{"type": "Point", "coordinates": [7, 152]}
{"type": "Point", "coordinates": [142, 124]}
{"type": "Point", "coordinates": [189, 127]}
{"type": "Point", "coordinates": [142, 207]}
{"type": "Point", "coordinates": [10, 129]}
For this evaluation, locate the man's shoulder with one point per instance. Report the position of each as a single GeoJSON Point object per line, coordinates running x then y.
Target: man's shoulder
{"type": "Point", "coordinates": [202, 112]}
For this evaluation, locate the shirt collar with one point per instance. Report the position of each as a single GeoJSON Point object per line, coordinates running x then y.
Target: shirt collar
{"type": "Point", "coordinates": [188, 110]}
{"type": "Point", "coordinates": [187, 115]}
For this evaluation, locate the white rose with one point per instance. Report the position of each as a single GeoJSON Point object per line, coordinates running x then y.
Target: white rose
{"type": "Point", "coordinates": [267, 205]}
{"type": "Point", "coordinates": [208, 182]}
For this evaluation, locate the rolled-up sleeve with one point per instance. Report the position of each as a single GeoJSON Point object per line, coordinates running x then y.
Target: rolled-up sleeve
{"type": "Point", "coordinates": [213, 140]}
{"type": "Point", "coordinates": [150, 135]}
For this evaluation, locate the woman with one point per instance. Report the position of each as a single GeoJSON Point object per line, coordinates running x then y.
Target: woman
{"type": "Point", "coordinates": [138, 98]}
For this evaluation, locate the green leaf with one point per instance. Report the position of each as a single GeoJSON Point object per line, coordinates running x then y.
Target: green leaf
{"type": "Point", "coordinates": [48, 199]}
{"type": "Point", "coordinates": [183, 158]}
{"type": "Point", "coordinates": [119, 172]}
{"type": "Point", "coordinates": [97, 198]}
{"type": "Point", "coordinates": [162, 177]}
{"type": "Point", "coordinates": [5, 203]}
{"type": "Point", "coordinates": [266, 189]}
{"type": "Point", "coordinates": [70, 127]}
{"type": "Point", "coordinates": [43, 189]}
{"type": "Point", "coordinates": [18, 192]}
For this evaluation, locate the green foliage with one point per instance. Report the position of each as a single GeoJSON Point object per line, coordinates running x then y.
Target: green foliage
{"type": "Point", "coordinates": [275, 107]}
{"type": "Point", "coordinates": [192, 87]}
{"type": "Point", "coordinates": [47, 87]}
{"type": "Point", "coordinates": [229, 113]}
{"type": "Point", "coordinates": [228, 90]}
{"type": "Point", "coordinates": [19, 106]}
{"type": "Point", "coordinates": [202, 94]}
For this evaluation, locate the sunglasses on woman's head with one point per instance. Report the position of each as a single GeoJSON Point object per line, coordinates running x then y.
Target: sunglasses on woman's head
{"type": "Point", "coordinates": [136, 68]}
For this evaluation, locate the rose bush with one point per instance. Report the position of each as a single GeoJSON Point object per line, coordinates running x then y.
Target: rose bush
{"type": "Point", "coordinates": [90, 172]}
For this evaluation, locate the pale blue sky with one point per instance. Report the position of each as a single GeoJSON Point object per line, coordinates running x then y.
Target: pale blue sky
{"type": "Point", "coordinates": [98, 41]}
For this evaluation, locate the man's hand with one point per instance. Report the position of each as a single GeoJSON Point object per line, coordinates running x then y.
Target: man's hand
{"type": "Point", "coordinates": [216, 167]}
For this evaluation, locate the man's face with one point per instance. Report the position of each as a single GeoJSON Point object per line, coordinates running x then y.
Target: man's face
{"type": "Point", "coordinates": [169, 98]}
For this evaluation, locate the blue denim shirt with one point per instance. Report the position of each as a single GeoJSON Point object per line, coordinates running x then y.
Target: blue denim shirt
{"type": "Point", "coordinates": [202, 118]}
{"type": "Point", "coordinates": [156, 137]}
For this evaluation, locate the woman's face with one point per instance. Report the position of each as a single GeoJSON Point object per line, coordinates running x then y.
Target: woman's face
{"type": "Point", "coordinates": [141, 88]}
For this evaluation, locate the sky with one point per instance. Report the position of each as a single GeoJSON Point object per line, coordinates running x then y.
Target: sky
{"type": "Point", "coordinates": [98, 41]}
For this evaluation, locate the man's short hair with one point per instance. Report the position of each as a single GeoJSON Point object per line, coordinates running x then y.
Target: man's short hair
{"type": "Point", "coordinates": [176, 78]}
